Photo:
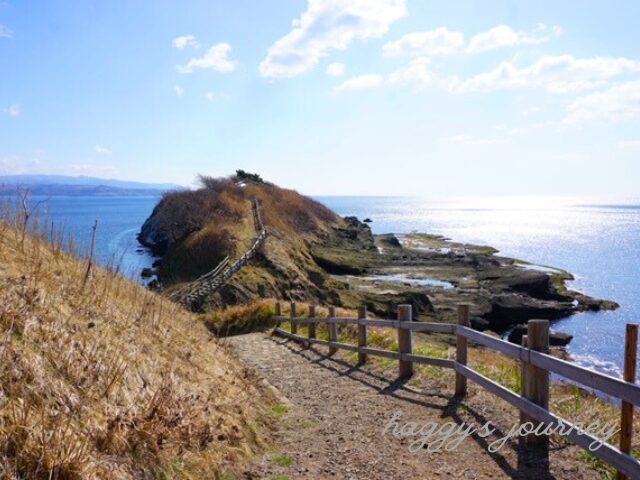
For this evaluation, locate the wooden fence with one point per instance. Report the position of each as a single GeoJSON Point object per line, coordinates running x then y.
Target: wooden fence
{"type": "Point", "coordinates": [536, 365]}
{"type": "Point", "coordinates": [192, 293]}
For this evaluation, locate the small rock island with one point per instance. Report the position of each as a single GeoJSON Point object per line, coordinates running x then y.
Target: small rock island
{"type": "Point", "coordinates": [311, 254]}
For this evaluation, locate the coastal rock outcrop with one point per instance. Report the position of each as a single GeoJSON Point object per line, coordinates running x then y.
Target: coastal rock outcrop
{"type": "Point", "coordinates": [313, 255]}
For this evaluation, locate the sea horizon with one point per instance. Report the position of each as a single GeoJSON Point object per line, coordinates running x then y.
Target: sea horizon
{"type": "Point", "coordinates": [577, 238]}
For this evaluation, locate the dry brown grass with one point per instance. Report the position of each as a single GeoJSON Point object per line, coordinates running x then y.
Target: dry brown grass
{"type": "Point", "coordinates": [110, 380]}
{"type": "Point", "coordinates": [290, 213]}
{"type": "Point", "coordinates": [240, 318]}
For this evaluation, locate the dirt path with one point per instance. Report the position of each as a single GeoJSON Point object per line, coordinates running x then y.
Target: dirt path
{"type": "Point", "coordinates": [332, 427]}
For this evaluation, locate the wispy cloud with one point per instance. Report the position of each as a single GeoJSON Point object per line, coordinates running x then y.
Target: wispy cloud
{"type": "Point", "coordinates": [5, 32]}
{"type": "Point", "coordinates": [13, 110]}
{"type": "Point", "coordinates": [362, 82]}
{"type": "Point", "coordinates": [102, 150]}
{"type": "Point", "coordinates": [91, 169]}
{"type": "Point", "coordinates": [328, 25]}
{"type": "Point", "coordinates": [615, 103]}
{"type": "Point", "coordinates": [335, 69]}
{"type": "Point", "coordinates": [504, 36]}
{"type": "Point", "coordinates": [464, 139]}
{"type": "Point", "coordinates": [210, 96]}
{"type": "Point", "coordinates": [440, 41]}
{"type": "Point", "coordinates": [185, 41]}
{"type": "Point", "coordinates": [443, 41]}
{"type": "Point", "coordinates": [20, 164]}
{"type": "Point", "coordinates": [179, 90]}
{"type": "Point", "coordinates": [555, 74]}
{"type": "Point", "coordinates": [215, 58]}
{"type": "Point", "coordinates": [628, 144]}
{"type": "Point", "coordinates": [417, 71]}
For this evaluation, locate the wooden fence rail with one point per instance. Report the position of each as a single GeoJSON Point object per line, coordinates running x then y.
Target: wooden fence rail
{"type": "Point", "coordinates": [536, 364]}
{"type": "Point", "coordinates": [192, 293]}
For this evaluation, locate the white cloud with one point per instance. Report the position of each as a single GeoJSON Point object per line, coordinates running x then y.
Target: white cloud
{"type": "Point", "coordinates": [19, 164]}
{"type": "Point", "coordinates": [328, 25]}
{"type": "Point", "coordinates": [185, 41]}
{"type": "Point", "coordinates": [418, 70]}
{"type": "Point", "coordinates": [5, 32]}
{"type": "Point", "coordinates": [443, 41]}
{"type": "Point", "coordinates": [210, 96]}
{"type": "Point", "coordinates": [617, 102]}
{"type": "Point", "coordinates": [91, 169]}
{"type": "Point", "coordinates": [531, 111]}
{"type": "Point", "coordinates": [556, 74]}
{"type": "Point", "coordinates": [335, 69]}
{"type": "Point", "coordinates": [101, 150]}
{"type": "Point", "coordinates": [216, 58]}
{"type": "Point", "coordinates": [362, 82]}
{"type": "Point", "coordinates": [464, 139]}
{"type": "Point", "coordinates": [504, 36]}
{"type": "Point", "coordinates": [179, 90]}
{"type": "Point", "coordinates": [440, 41]}
{"type": "Point", "coordinates": [12, 110]}
{"type": "Point", "coordinates": [628, 144]}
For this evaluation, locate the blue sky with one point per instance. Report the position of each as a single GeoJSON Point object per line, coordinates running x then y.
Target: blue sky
{"type": "Point", "coordinates": [384, 97]}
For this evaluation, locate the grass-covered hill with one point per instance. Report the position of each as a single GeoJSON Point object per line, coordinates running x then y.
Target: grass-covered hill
{"type": "Point", "coordinates": [194, 230]}
{"type": "Point", "coordinates": [101, 378]}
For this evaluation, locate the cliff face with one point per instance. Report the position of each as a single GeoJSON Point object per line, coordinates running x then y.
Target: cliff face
{"type": "Point", "coordinates": [311, 254]}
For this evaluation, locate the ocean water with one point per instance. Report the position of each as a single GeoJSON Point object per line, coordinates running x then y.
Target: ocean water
{"type": "Point", "coordinates": [598, 244]}
{"type": "Point", "coordinates": [119, 220]}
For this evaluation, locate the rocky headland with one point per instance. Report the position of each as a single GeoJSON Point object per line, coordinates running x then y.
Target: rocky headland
{"type": "Point", "coordinates": [313, 255]}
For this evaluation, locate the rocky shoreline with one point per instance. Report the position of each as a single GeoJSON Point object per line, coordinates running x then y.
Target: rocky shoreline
{"type": "Point", "coordinates": [312, 255]}
{"type": "Point", "coordinates": [437, 274]}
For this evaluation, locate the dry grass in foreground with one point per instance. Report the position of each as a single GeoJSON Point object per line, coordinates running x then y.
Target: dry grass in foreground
{"type": "Point", "coordinates": [100, 378]}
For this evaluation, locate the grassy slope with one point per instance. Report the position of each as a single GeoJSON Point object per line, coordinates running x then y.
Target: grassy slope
{"type": "Point", "coordinates": [293, 222]}
{"type": "Point", "coordinates": [108, 380]}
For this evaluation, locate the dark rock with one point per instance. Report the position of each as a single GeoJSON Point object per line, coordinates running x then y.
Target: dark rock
{"type": "Point", "coordinates": [559, 339]}
{"type": "Point", "coordinates": [478, 323]}
{"type": "Point", "coordinates": [389, 240]}
{"type": "Point", "coordinates": [556, 339]}
{"type": "Point", "coordinates": [532, 283]}
{"type": "Point", "coordinates": [511, 308]}
{"type": "Point", "coordinates": [586, 303]}
{"type": "Point", "coordinates": [385, 305]}
{"type": "Point", "coordinates": [147, 273]}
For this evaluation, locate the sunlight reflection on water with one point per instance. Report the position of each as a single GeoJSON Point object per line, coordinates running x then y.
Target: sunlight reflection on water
{"type": "Point", "coordinates": [597, 244]}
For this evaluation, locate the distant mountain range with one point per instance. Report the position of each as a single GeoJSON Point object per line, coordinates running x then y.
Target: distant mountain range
{"type": "Point", "coordinates": [80, 186]}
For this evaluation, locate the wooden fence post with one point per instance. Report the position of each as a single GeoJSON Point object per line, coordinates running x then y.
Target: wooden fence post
{"type": "Point", "coordinates": [405, 341]}
{"type": "Point", "coordinates": [312, 326]}
{"type": "Point", "coordinates": [278, 314]}
{"type": "Point", "coordinates": [524, 381]}
{"type": "Point", "coordinates": [626, 415]}
{"type": "Point", "coordinates": [461, 350]}
{"type": "Point", "coordinates": [292, 314]}
{"type": "Point", "coordinates": [362, 334]}
{"type": "Point", "coordinates": [538, 378]}
{"type": "Point", "coordinates": [333, 330]}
